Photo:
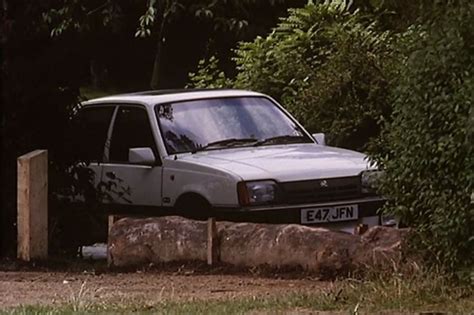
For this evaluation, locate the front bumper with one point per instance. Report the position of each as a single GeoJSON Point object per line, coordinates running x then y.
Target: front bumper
{"type": "Point", "coordinates": [284, 214]}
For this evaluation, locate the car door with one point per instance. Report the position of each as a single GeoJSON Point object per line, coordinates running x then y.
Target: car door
{"type": "Point", "coordinates": [90, 132]}
{"type": "Point", "coordinates": [130, 184]}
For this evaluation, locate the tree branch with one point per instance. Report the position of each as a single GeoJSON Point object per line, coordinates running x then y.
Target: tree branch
{"type": "Point", "coordinates": [96, 9]}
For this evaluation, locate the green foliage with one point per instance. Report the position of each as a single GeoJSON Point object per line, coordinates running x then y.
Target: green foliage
{"type": "Point", "coordinates": [74, 15]}
{"type": "Point", "coordinates": [326, 65]}
{"type": "Point", "coordinates": [146, 21]}
{"type": "Point", "coordinates": [337, 72]}
{"type": "Point", "coordinates": [209, 76]}
{"type": "Point", "coordinates": [230, 15]}
{"type": "Point", "coordinates": [428, 146]}
{"type": "Point", "coordinates": [158, 20]}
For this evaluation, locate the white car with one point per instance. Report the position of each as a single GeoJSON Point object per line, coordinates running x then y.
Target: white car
{"type": "Point", "coordinates": [232, 154]}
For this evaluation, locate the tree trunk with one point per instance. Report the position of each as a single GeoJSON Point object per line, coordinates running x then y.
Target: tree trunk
{"type": "Point", "coordinates": [155, 76]}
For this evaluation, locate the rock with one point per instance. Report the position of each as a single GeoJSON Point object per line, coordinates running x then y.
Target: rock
{"type": "Point", "coordinates": [135, 242]}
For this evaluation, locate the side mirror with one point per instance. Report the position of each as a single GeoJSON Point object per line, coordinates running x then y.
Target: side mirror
{"type": "Point", "coordinates": [143, 156]}
{"type": "Point", "coordinates": [320, 138]}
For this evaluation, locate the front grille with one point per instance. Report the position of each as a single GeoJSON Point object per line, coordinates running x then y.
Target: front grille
{"type": "Point", "coordinates": [321, 190]}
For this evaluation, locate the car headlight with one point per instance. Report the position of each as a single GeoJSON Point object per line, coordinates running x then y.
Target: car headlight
{"type": "Point", "coordinates": [259, 192]}
{"type": "Point", "coordinates": [370, 180]}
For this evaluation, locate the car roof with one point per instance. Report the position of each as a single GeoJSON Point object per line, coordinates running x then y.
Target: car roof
{"type": "Point", "coordinates": [151, 98]}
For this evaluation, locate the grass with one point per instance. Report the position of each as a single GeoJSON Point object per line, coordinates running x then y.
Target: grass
{"type": "Point", "coordinates": [395, 294]}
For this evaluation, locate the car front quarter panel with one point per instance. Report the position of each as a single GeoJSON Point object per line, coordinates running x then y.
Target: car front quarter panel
{"type": "Point", "coordinates": [217, 186]}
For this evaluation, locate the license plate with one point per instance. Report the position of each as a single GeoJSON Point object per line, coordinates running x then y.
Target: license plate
{"type": "Point", "coordinates": [329, 214]}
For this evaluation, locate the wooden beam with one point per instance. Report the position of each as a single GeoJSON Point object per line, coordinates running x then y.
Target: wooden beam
{"type": "Point", "coordinates": [111, 220]}
{"type": "Point", "coordinates": [32, 198]}
{"type": "Point", "coordinates": [212, 246]}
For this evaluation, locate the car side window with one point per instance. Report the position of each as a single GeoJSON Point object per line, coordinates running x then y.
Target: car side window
{"type": "Point", "coordinates": [131, 130]}
{"type": "Point", "coordinates": [90, 132]}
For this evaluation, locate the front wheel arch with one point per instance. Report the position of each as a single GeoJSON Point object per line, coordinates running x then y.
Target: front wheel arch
{"type": "Point", "coordinates": [193, 206]}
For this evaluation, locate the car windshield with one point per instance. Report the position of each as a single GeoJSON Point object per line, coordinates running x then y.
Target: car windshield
{"type": "Point", "coordinates": [197, 125]}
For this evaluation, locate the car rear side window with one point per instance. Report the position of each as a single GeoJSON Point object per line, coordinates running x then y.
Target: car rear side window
{"type": "Point", "coordinates": [91, 131]}
{"type": "Point", "coordinates": [131, 130]}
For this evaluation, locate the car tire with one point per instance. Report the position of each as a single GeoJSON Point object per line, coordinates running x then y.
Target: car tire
{"type": "Point", "coordinates": [194, 207]}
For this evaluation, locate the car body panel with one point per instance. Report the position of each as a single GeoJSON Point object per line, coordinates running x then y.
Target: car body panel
{"type": "Point", "coordinates": [216, 185]}
{"type": "Point", "coordinates": [151, 100]}
{"type": "Point", "coordinates": [307, 160]}
{"type": "Point", "coordinates": [134, 184]}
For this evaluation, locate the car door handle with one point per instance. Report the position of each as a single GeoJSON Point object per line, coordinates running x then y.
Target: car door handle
{"type": "Point", "coordinates": [111, 175]}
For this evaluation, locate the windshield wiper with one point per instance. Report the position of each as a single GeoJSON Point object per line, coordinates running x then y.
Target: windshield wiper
{"type": "Point", "coordinates": [283, 139]}
{"type": "Point", "coordinates": [225, 143]}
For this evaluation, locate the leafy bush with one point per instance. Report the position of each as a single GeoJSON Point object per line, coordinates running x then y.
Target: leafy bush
{"type": "Point", "coordinates": [209, 75]}
{"type": "Point", "coordinates": [429, 156]}
{"type": "Point", "coordinates": [325, 63]}
{"type": "Point", "coordinates": [338, 73]}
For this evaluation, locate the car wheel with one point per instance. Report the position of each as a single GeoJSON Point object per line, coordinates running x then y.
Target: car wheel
{"type": "Point", "coordinates": [194, 207]}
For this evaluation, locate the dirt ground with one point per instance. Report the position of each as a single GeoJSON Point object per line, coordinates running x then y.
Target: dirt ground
{"type": "Point", "coordinates": [51, 287]}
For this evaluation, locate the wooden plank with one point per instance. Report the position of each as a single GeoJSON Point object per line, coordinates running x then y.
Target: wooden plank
{"type": "Point", "coordinates": [112, 218]}
{"type": "Point", "coordinates": [212, 256]}
{"type": "Point", "coordinates": [360, 229]}
{"type": "Point", "coordinates": [32, 198]}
